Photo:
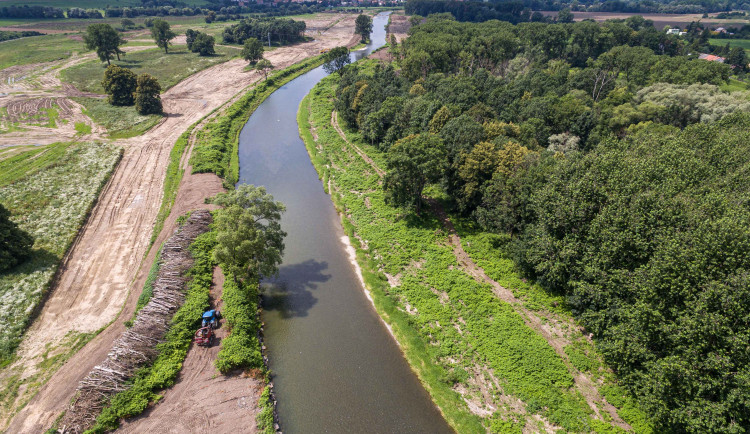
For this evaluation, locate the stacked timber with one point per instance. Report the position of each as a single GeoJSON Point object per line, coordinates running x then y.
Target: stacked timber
{"type": "Point", "coordinates": [136, 347]}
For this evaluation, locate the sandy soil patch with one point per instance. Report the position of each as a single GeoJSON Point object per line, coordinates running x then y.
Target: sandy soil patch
{"type": "Point", "coordinates": [104, 271]}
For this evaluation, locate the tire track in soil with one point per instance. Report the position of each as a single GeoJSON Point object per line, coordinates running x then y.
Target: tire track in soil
{"type": "Point", "coordinates": [105, 269]}
{"type": "Point", "coordinates": [554, 337]}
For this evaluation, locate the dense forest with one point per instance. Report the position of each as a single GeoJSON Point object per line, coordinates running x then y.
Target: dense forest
{"type": "Point", "coordinates": [619, 167]}
{"type": "Point", "coordinates": [279, 30]}
{"type": "Point", "coordinates": [479, 11]}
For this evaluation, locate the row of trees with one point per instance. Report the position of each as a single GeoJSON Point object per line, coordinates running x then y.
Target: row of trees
{"type": "Point", "coordinates": [125, 88]}
{"type": "Point", "coordinates": [568, 138]}
{"type": "Point", "coordinates": [282, 31]}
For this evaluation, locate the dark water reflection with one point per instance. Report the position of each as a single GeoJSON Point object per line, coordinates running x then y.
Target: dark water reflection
{"type": "Point", "coordinates": [335, 366]}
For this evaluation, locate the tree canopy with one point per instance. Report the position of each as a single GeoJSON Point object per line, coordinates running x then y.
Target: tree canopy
{"type": "Point", "coordinates": [119, 83]}
{"type": "Point", "coordinates": [413, 162]}
{"type": "Point", "coordinates": [363, 27]}
{"type": "Point", "coordinates": [336, 59]}
{"type": "Point", "coordinates": [162, 34]}
{"type": "Point", "coordinates": [147, 99]}
{"type": "Point", "coordinates": [252, 50]}
{"type": "Point", "coordinates": [203, 44]}
{"type": "Point", "coordinates": [105, 40]}
{"type": "Point", "coordinates": [249, 236]}
{"type": "Point", "coordinates": [15, 244]}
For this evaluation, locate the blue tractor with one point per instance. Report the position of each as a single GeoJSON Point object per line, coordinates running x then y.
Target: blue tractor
{"type": "Point", "coordinates": [211, 318]}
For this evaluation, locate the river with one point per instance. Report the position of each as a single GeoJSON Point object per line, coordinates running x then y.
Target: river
{"type": "Point", "coordinates": [336, 368]}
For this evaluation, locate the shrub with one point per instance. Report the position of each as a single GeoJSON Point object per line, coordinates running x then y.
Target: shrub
{"type": "Point", "coordinates": [147, 99]}
{"type": "Point", "coordinates": [15, 244]}
{"type": "Point", "coordinates": [119, 83]}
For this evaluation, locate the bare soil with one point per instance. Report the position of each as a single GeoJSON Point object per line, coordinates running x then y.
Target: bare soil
{"type": "Point", "coordinates": [660, 20]}
{"type": "Point", "coordinates": [202, 400]}
{"type": "Point", "coordinates": [108, 264]}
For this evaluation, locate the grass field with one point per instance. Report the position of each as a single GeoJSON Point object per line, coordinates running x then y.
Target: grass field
{"type": "Point", "coordinates": [36, 49]}
{"type": "Point", "coordinates": [169, 69]}
{"type": "Point", "coordinates": [49, 192]}
{"type": "Point", "coordinates": [743, 43]}
{"type": "Point", "coordinates": [120, 122]}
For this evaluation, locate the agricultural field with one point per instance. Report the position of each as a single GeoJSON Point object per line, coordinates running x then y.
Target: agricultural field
{"type": "Point", "coordinates": [500, 359]}
{"type": "Point", "coordinates": [49, 192]}
{"type": "Point", "coordinates": [169, 68]}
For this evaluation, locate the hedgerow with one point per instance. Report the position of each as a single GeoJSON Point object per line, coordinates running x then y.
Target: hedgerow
{"type": "Point", "coordinates": [163, 372]}
{"type": "Point", "coordinates": [241, 348]}
{"type": "Point", "coordinates": [459, 321]}
{"type": "Point", "coordinates": [217, 147]}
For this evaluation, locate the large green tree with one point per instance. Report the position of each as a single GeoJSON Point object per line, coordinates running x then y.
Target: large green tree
{"type": "Point", "coordinates": [105, 40]}
{"type": "Point", "coordinates": [252, 51]}
{"type": "Point", "coordinates": [119, 83]}
{"type": "Point", "coordinates": [336, 59]}
{"type": "Point", "coordinates": [147, 99]}
{"type": "Point", "coordinates": [413, 162]}
{"type": "Point", "coordinates": [363, 27]}
{"type": "Point", "coordinates": [162, 34]}
{"type": "Point", "coordinates": [203, 44]}
{"type": "Point", "coordinates": [15, 244]}
{"type": "Point", "coordinates": [249, 238]}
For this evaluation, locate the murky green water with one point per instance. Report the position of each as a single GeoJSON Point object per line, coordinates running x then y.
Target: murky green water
{"type": "Point", "coordinates": [335, 366]}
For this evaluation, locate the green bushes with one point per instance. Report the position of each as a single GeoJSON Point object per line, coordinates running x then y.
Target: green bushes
{"type": "Point", "coordinates": [163, 372]}
{"type": "Point", "coordinates": [217, 148]}
{"type": "Point", "coordinates": [241, 348]}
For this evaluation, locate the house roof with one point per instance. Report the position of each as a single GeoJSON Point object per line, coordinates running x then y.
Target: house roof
{"type": "Point", "coordinates": [711, 58]}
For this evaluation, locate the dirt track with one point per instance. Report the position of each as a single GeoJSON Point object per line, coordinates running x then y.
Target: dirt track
{"type": "Point", "coordinates": [202, 401]}
{"type": "Point", "coordinates": [106, 268]}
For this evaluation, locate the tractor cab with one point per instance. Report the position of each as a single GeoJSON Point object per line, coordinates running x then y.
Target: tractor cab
{"type": "Point", "coordinates": [211, 318]}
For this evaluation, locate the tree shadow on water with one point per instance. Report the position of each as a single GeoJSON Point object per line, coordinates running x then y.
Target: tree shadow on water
{"type": "Point", "coordinates": [291, 294]}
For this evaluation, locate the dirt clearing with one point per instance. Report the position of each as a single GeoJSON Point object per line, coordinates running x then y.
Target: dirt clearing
{"type": "Point", "coordinates": [105, 270]}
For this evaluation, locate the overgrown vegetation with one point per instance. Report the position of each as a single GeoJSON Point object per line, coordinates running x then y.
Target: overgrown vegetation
{"type": "Point", "coordinates": [456, 325]}
{"type": "Point", "coordinates": [163, 372]}
{"type": "Point", "coordinates": [49, 192]}
{"type": "Point", "coordinates": [608, 169]}
{"type": "Point", "coordinates": [216, 148]}
{"type": "Point", "coordinates": [250, 244]}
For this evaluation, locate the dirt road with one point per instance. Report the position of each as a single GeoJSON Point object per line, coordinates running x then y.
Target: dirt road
{"type": "Point", "coordinates": [202, 401]}
{"type": "Point", "coordinates": [105, 269]}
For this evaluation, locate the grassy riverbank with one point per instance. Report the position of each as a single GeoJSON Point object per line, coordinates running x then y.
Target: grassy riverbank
{"type": "Point", "coordinates": [481, 363]}
{"type": "Point", "coordinates": [217, 146]}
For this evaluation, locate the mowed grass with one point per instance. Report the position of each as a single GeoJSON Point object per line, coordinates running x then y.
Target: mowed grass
{"type": "Point", "coordinates": [169, 69]}
{"type": "Point", "coordinates": [49, 192]}
{"type": "Point", "coordinates": [37, 49]}
{"type": "Point", "coordinates": [120, 122]}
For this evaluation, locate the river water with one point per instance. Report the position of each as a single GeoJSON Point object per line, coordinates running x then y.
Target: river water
{"type": "Point", "coordinates": [335, 367]}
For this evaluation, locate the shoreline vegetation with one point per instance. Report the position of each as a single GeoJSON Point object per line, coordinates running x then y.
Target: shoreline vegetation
{"type": "Point", "coordinates": [432, 307]}
{"type": "Point", "coordinates": [241, 349]}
